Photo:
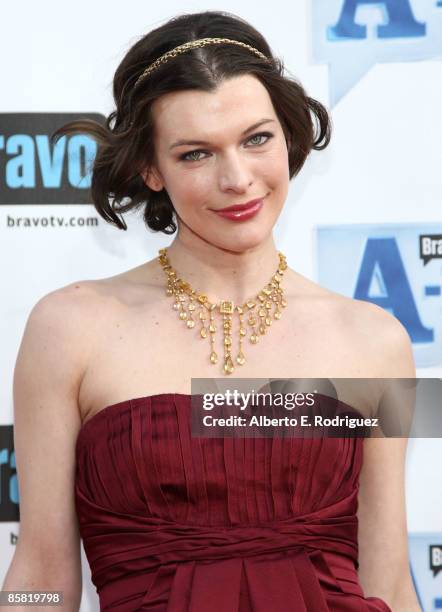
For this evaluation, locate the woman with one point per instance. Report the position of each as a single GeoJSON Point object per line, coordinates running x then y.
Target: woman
{"type": "Point", "coordinates": [171, 522]}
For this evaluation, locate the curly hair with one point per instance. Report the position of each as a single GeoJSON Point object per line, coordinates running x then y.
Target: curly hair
{"type": "Point", "coordinates": [126, 143]}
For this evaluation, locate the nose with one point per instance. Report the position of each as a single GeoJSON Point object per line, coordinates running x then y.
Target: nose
{"type": "Point", "coordinates": [234, 173]}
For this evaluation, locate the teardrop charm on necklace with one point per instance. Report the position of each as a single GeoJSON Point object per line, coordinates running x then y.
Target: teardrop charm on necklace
{"type": "Point", "coordinates": [228, 365]}
{"type": "Point", "coordinates": [240, 359]}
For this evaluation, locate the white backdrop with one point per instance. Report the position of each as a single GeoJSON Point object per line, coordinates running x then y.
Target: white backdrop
{"type": "Point", "coordinates": [383, 165]}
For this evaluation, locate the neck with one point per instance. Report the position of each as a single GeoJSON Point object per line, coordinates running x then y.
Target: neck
{"type": "Point", "coordinates": [222, 274]}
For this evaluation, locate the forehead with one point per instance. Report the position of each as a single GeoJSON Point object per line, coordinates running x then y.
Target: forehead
{"type": "Point", "coordinates": [236, 103]}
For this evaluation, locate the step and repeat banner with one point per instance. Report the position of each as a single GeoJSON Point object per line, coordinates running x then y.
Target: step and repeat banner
{"type": "Point", "coordinates": [364, 217]}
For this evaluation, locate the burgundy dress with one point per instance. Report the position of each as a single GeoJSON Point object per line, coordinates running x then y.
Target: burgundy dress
{"type": "Point", "coordinates": [175, 523]}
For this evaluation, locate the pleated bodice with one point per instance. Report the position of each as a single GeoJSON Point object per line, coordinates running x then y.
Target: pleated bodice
{"type": "Point", "coordinates": [171, 522]}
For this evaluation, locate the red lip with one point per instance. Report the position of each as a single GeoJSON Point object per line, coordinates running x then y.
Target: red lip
{"type": "Point", "coordinates": [239, 206]}
{"type": "Point", "coordinates": [243, 214]}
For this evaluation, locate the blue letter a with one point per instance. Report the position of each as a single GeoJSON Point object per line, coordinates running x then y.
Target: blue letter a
{"type": "Point", "coordinates": [401, 21]}
{"type": "Point", "coordinates": [382, 257]}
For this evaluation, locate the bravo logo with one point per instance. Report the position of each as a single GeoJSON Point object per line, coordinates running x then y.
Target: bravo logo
{"type": "Point", "coordinates": [34, 171]}
{"type": "Point", "coordinates": [9, 496]}
{"type": "Point", "coordinates": [397, 267]}
{"type": "Point", "coordinates": [353, 35]}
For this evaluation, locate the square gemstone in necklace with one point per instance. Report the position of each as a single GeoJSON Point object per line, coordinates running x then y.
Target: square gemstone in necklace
{"type": "Point", "coordinates": [226, 307]}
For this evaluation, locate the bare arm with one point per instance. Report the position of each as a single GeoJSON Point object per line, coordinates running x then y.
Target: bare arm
{"type": "Point", "coordinates": [47, 375]}
{"type": "Point", "coordinates": [383, 538]}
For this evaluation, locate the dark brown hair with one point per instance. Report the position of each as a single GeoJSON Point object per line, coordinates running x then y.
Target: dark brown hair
{"type": "Point", "coordinates": [125, 142]}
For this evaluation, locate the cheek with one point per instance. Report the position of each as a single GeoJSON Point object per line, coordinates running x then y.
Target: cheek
{"type": "Point", "coordinates": [186, 187]}
{"type": "Point", "coordinates": [195, 191]}
{"type": "Point", "coordinates": [275, 170]}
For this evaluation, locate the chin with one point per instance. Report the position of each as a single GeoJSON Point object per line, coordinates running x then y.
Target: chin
{"type": "Point", "coordinates": [240, 242]}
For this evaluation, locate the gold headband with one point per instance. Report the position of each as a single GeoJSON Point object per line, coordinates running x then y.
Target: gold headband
{"type": "Point", "coordinates": [202, 42]}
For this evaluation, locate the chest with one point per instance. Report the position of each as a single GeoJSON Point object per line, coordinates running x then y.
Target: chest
{"type": "Point", "coordinates": [149, 350]}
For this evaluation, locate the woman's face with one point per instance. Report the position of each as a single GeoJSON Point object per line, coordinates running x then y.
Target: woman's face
{"type": "Point", "coordinates": [238, 162]}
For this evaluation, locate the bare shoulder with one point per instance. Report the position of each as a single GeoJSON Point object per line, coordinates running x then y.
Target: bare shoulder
{"type": "Point", "coordinates": [67, 318]}
{"type": "Point", "coordinates": [381, 335]}
{"type": "Point", "coordinates": [77, 302]}
{"type": "Point", "coordinates": [56, 332]}
{"type": "Point", "coordinates": [73, 316]}
{"type": "Point", "coordinates": [77, 311]}
{"type": "Point", "coordinates": [64, 310]}
{"type": "Point", "coordinates": [373, 320]}
{"type": "Point", "coordinates": [372, 337]}
{"type": "Point", "coordinates": [59, 302]}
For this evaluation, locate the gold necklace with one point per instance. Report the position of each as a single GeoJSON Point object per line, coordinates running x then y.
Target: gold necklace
{"type": "Point", "coordinates": [187, 299]}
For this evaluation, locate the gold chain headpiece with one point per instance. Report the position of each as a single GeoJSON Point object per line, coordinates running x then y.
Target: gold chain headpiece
{"type": "Point", "coordinates": [202, 42]}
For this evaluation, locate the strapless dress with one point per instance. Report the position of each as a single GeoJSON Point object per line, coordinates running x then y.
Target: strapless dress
{"type": "Point", "coordinates": [171, 522]}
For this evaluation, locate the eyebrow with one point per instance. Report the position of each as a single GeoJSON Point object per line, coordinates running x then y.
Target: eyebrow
{"type": "Point", "coordinates": [179, 143]}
